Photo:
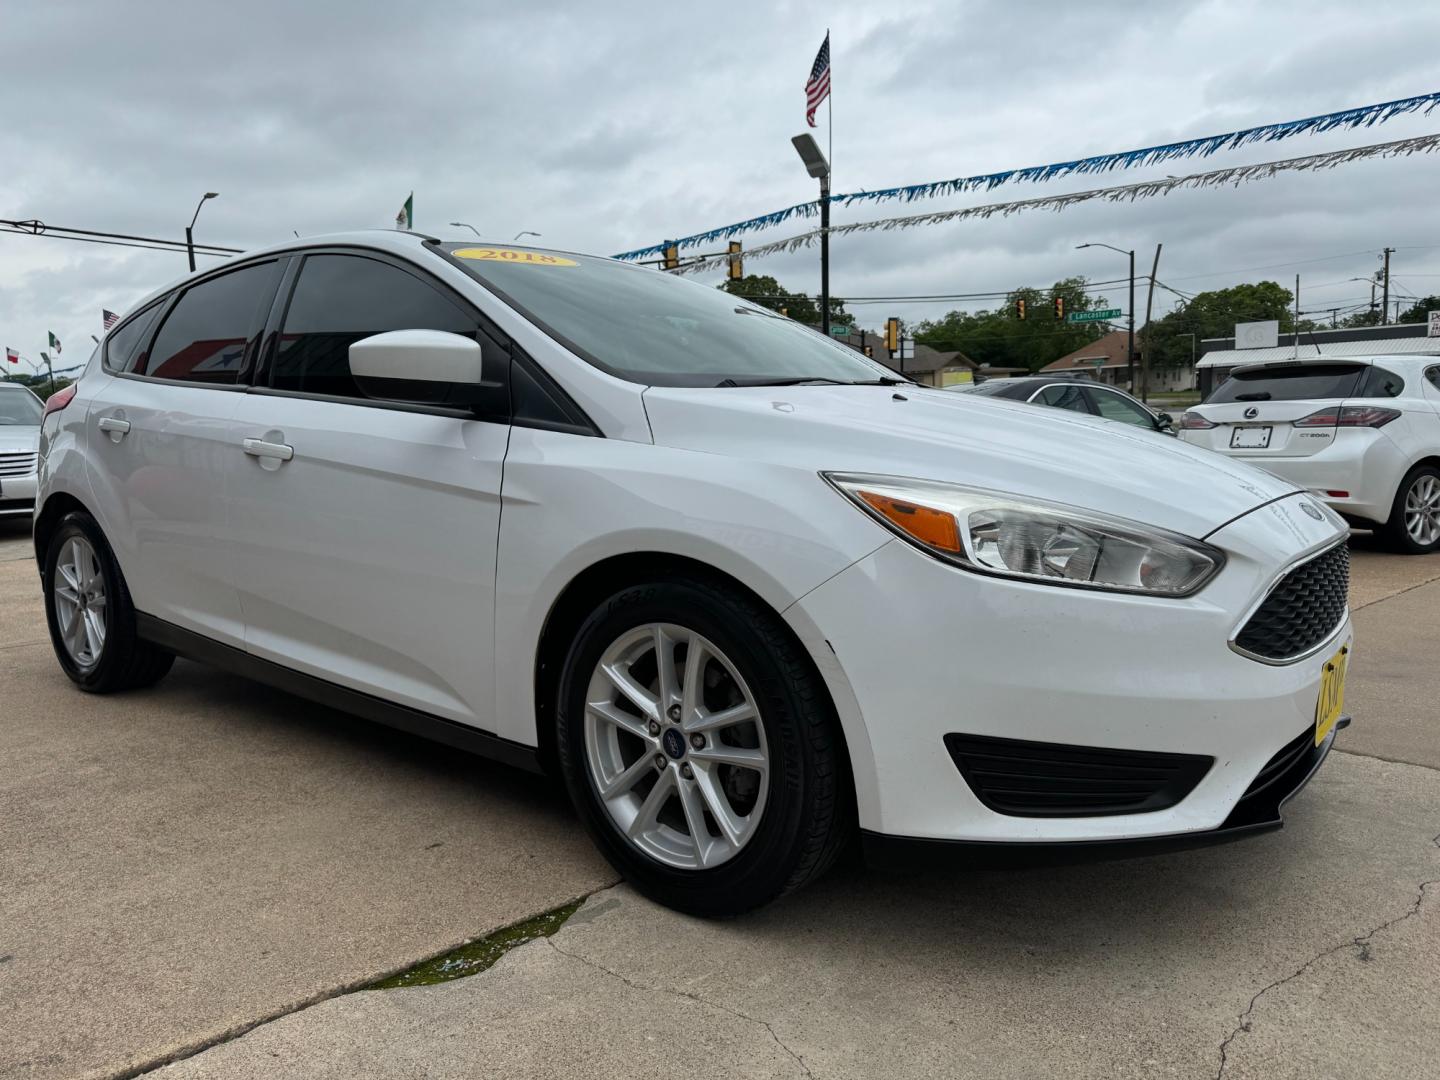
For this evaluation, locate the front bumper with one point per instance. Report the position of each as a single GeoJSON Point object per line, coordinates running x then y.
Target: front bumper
{"type": "Point", "coordinates": [1259, 813]}
{"type": "Point", "coordinates": [17, 496]}
{"type": "Point", "coordinates": [915, 649]}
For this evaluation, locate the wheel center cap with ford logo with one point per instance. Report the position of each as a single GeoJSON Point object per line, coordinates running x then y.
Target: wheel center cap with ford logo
{"type": "Point", "coordinates": [674, 743]}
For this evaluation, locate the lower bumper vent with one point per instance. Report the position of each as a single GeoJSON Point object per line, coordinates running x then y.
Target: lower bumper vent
{"type": "Point", "coordinates": [1041, 779]}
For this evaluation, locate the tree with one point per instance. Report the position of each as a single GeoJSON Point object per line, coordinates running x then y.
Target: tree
{"type": "Point", "coordinates": [1213, 314]}
{"type": "Point", "coordinates": [764, 290]}
{"type": "Point", "coordinates": [1000, 338]}
{"type": "Point", "coordinates": [1420, 310]}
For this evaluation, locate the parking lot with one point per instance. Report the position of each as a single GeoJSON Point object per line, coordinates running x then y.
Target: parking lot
{"type": "Point", "coordinates": [210, 870]}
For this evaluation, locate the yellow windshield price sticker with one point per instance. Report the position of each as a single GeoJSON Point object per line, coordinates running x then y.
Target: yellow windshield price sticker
{"type": "Point", "coordinates": [510, 255]}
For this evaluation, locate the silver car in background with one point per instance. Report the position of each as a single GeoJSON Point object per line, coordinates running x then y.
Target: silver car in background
{"type": "Point", "coordinates": [20, 413]}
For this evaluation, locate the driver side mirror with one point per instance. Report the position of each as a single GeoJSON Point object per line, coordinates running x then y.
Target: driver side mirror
{"type": "Point", "coordinates": [423, 367]}
{"type": "Point", "coordinates": [1165, 422]}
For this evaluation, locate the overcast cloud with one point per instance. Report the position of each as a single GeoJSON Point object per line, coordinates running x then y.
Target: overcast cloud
{"type": "Point", "coordinates": [607, 127]}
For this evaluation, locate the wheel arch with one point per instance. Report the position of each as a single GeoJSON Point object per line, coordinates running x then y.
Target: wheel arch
{"type": "Point", "coordinates": [604, 578]}
{"type": "Point", "coordinates": [48, 519]}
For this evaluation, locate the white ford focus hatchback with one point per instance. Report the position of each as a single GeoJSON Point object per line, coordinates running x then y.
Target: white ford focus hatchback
{"type": "Point", "coordinates": [743, 589]}
{"type": "Point", "coordinates": [1361, 433]}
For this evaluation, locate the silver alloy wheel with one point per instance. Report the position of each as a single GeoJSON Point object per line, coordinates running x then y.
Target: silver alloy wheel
{"type": "Point", "coordinates": [675, 748]}
{"type": "Point", "coordinates": [80, 602]}
{"type": "Point", "coordinates": [1422, 510]}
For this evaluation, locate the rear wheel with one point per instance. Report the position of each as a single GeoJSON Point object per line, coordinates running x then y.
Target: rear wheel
{"type": "Point", "coordinates": [700, 749]}
{"type": "Point", "coordinates": [91, 618]}
{"type": "Point", "coordinates": [1414, 525]}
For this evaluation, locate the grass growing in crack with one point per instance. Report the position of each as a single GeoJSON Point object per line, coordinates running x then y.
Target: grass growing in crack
{"type": "Point", "coordinates": [475, 957]}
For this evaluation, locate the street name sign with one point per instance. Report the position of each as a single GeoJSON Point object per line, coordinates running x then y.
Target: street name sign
{"type": "Point", "coordinates": [1093, 316]}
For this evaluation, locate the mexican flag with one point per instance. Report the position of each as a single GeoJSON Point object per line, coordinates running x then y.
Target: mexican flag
{"type": "Point", "coordinates": [54, 343]}
{"type": "Point", "coordinates": [405, 219]}
{"type": "Point", "coordinates": [12, 356]}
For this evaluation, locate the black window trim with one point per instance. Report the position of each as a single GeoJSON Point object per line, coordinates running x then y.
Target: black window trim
{"type": "Point", "coordinates": [581, 423]}
{"type": "Point", "coordinates": [171, 298]}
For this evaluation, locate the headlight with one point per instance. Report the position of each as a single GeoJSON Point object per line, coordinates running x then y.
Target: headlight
{"type": "Point", "coordinates": [1033, 540]}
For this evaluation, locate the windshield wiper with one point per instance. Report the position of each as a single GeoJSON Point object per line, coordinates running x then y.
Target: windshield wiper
{"type": "Point", "coordinates": [802, 380]}
{"type": "Point", "coordinates": [1258, 395]}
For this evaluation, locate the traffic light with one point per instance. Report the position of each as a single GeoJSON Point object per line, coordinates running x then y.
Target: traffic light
{"type": "Point", "coordinates": [672, 256]}
{"type": "Point", "coordinates": [1060, 309]}
{"type": "Point", "coordinates": [892, 335]}
{"type": "Point", "coordinates": [1020, 308]}
{"type": "Point", "coordinates": [736, 269]}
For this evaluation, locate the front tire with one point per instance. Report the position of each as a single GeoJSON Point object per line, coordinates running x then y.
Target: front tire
{"type": "Point", "coordinates": [91, 617]}
{"type": "Point", "coordinates": [700, 749]}
{"type": "Point", "coordinates": [1414, 524]}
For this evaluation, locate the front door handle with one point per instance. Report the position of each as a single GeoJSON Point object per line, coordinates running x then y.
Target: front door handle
{"type": "Point", "coordinates": [261, 449]}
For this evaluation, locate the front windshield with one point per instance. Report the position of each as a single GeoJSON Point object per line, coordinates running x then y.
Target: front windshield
{"type": "Point", "coordinates": [19, 408]}
{"type": "Point", "coordinates": [654, 328]}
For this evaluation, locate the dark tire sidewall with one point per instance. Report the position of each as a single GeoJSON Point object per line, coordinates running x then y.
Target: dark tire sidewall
{"type": "Point", "coordinates": [757, 873]}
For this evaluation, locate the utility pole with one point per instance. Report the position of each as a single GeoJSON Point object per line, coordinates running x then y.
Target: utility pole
{"type": "Point", "coordinates": [1385, 304]}
{"type": "Point", "coordinates": [1149, 299]}
{"type": "Point", "coordinates": [1296, 334]}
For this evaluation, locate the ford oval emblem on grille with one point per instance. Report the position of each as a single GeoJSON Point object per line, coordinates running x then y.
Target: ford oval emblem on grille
{"type": "Point", "coordinates": [1312, 511]}
{"type": "Point", "coordinates": [1251, 413]}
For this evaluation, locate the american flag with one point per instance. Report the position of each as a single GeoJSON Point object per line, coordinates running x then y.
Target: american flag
{"type": "Point", "coordinates": [818, 88]}
{"type": "Point", "coordinates": [109, 318]}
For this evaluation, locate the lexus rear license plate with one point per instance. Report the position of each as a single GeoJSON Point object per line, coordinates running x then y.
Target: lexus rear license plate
{"type": "Point", "coordinates": [1250, 438]}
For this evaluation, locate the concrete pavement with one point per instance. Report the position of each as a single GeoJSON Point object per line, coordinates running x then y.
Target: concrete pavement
{"type": "Point", "coordinates": [184, 863]}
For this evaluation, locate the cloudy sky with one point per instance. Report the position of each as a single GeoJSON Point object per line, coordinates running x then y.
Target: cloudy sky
{"type": "Point", "coordinates": [607, 127]}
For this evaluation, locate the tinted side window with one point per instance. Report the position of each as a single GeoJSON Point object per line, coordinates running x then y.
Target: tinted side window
{"type": "Point", "coordinates": [340, 299]}
{"type": "Point", "coordinates": [1381, 383]}
{"type": "Point", "coordinates": [1433, 374]}
{"type": "Point", "coordinates": [204, 337]}
{"type": "Point", "coordinates": [1297, 383]}
{"type": "Point", "coordinates": [1114, 407]}
{"type": "Point", "coordinates": [1064, 397]}
{"type": "Point", "coordinates": [124, 342]}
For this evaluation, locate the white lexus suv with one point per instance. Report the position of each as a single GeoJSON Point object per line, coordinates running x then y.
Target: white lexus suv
{"type": "Point", "coordinates": [1361, 433]}
{"type": "Point", "coordinates": [746, 591]}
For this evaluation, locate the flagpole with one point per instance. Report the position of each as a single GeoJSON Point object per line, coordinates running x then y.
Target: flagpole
{"type": "Point", "coordinates": [830, 112]}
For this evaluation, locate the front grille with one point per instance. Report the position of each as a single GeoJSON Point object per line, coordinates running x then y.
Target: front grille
{"type": "Point", "coordinates": [1039, 779]}
{"type": "Point", "coordinates": [1302, 610]}
{"type": "Point", "coordinates": [18, 464]}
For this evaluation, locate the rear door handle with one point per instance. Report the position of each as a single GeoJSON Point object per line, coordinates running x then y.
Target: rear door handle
{"type": "Point", "coordinates": [261, 449]}
{"type": "Point", "coordinates": [113, 426]}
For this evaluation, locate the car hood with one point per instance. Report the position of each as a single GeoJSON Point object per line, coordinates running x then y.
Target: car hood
{"type": "Point", "coordinates": [19, 439]}
{"type": "Point", "coordinates": [961, 438]}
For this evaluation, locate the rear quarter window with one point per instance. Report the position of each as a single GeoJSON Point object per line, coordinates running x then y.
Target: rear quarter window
{"type": "Point", "coordinates": [1379, 382]}
{"type": "Point", "coordinates": [1301, 383]}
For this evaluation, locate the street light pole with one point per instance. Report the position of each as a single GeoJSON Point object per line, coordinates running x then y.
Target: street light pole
{"type": "Point", "coordinates": [190, 229]}
{"type": "Point", "coordinates": [818, 167]}
{"type": "Point", "coordinates": [1130, 337]}
{"type": "Point", "coordinates": [525, 232]}
{"type": "Point", "coordinates": [465, 225]}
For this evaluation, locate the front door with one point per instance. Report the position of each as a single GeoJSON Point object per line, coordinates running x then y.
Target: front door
{"type": "Point", "coordinates": [364, 533]}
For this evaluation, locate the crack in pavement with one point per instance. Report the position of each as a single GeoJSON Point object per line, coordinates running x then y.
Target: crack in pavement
{"type": "Point", "coordinates": [800, 1061]}
{"type": "Point", "coordinates": [1361, 943]}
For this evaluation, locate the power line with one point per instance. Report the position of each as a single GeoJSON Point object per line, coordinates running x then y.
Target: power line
{"type": "Point", "coordinates": [34, 227]}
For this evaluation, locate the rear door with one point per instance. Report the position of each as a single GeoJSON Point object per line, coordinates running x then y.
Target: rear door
{"type": "Point", "coordinates": [1255, 411]}
{"type": "Point", "coordinates": [1069, 396]}
{"type": "Point", "coordinates": [160, 436]}
{"type": "Point", "coordinates": [1116, 406]}
{"type": "Point", "coordinates": [363, 532]}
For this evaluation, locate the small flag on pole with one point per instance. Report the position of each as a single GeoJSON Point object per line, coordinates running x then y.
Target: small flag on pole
{"type": "Point", "coordinates": [109, 318]}
{"type": "Point", "coordinates": [54, 343]}
{"type": "Point", "coordinates": [405, 219]}
{"type": "Point", "coordinates": [817, 89]}
{"type": "Point", "coordinates": [12, 356]}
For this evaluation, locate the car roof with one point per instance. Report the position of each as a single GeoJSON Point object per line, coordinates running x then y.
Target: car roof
{"type": "Point", "coordinates": [394, 241]}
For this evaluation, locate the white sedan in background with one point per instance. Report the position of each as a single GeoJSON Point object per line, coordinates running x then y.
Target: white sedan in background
{"type": "Point", "coordinates": [19, 450]}
{"type": "Point", "coordinates": [741, 587]}
{"type": "Point", "coordinates": [1362, 433]}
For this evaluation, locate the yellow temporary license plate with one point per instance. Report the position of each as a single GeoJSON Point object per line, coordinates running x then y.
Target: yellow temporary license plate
{"type": "Point", "coordinates": [1332, 693]}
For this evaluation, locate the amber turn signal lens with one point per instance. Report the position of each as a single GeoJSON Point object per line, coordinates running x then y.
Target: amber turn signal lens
{"type": "Point", "coordinates": [934, 528]}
